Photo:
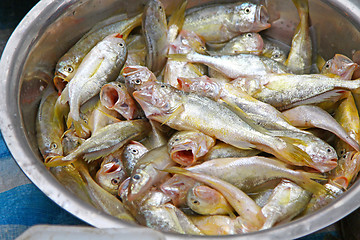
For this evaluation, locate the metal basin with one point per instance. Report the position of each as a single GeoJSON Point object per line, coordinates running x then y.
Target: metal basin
{"type": "Point", "coordinates": [52, 26]}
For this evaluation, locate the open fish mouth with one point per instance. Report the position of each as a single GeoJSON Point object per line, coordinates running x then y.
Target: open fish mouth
{"type": "Point", "coordinates": [60, 81]}
{"type": "Point", "coordinates": [262, 17]}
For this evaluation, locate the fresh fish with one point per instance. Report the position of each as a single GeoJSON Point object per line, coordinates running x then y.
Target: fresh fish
{"type": "Point", "coordinates": [234, 66]}
{"type": "Point", "coordinates": [186, 111]}
{"type": "Point", "coordinates": [248, 172]}
{"type": "Point", "coordinates": [321, 199]}
{"type": "Point", "coordinates": [101, 65]}
{"type": "Point", "coordinates": [147, 172]}
{"type": "Point", "coordinates": [154, 26]}
{"type": "Point", "coordinates": [184, 43]}
{"type": "Point", "coordinates": [105, 141]}
{"type": "Point", "coordinates": [275, 50]}
{"type": "Point", "coordinates": [285, 91]}
{"type": "Point", "coordinates": [347, 116]}
{"type": "Point", "coordinates": [223, 150]}
{"type": "Point", "coordinates": [250, 213]}
{"type": "Point", "coordinates": [347, 170]}
{"type": "Point", "coordinates": [285, 203]}
{"type": "Point", "coordinates": [208, 201]}
{"type": "Point", "coordinates": [131, 155]}
{"type": "Point", "coordinates": [245, 43]}
{"type": "Point", "coordinates": [307, 116]}
{"type": "Point", "coordinates": [49, 129]}
{"type": "Point", "coordinates": [216, 225]}
{"type": "Point", "coordinates": [262, 197]}
{"type": "Point", "coordinates": [177, 188]}
{"type": "Point", "coordinates": [100, 198]}
{"type": "Point", "coordinates": [101, 117]}
{"type": "Point", "coordinates": [111, 173]}
{"type": "Point", "coordinates": [323, 155]}
{"type": "Point", "coordinates": [341, 66]}
{"type": "Point", "coordinates": [185, 147]}
{"type": "Point", "coordinates": [136, 50]}
{"type": "Point", "coordinates": [220, 23]}
{"type": "Point", "coordinates": [136, 76]}
{"type": "Point", "coordinates": [154, 211]}
{"type": "Point", "coordinates": [68, 64]}
{"type": "Point", "coordinates": [300, 56]}
{"type": "Point", "coordinates": [261, 113]}
{"type": "Point", "coordinates": [115, 96]}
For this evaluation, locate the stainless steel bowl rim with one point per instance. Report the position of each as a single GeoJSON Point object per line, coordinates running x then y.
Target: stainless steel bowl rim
{"type": "Point", "coordinates": [13, 133]}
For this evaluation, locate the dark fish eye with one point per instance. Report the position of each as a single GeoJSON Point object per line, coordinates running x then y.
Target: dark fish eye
{"type": "Point", "coordinates": [276, 55]}
{"type": "Point", "coordinates": [176, 139]}
{"type": "Point", "coordinates": [121, 44]}
{"type": "Point", "coordinates": [327, 66]}
{"type": "Point", "coordinates": [249, 35]}
{"type": "Point", "coordinates": [162, 86]}
{"type": "Point", "coordinates": [160, 7]}
{"type": "Point", "coordinates": [342, 152]}
{"type": "Point", "coordinates": [137, 81]}
{"type": "Point", "coordinates": [247, 10]}
{"type": "Point", "coordinates": [344, 156]}
{"type": "Point", "coordinates": [115, 181]}
{"type": "Point", "coordinates": [69, 69]}
{"type": "Point", "coordinates": [135, 151]}
{"type": "Point", "coordinates": [53, 145]}
{"type": "Point", "coordinates": [328, 150]}
{"type": "Point", "coordinates": [136, 177]}
{"type": "Point", "coordinates": [196, 202]}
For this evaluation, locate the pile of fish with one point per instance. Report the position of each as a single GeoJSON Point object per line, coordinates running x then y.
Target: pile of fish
{"type": "Point", "coordinates": [198, 123]}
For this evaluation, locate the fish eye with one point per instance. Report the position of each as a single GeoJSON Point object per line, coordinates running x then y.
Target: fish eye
{"type": "Point", "coordinates": [249, 35]}
{"type": "Point", "coordinates": [121, 44]}
{"type": "Point", "coordinates": [162, 86]}
{"type": "Point", "coordinates": [196, 202]}
{"type": "Point", "coordinates": [276, 55]}
{"type": "Point", "coordinates": [115, 181]}
{"type": "Point", "coordinates": [345, 155]}
{"type": "Point", "coordinates": [203, 47]}
{"type": "Point", "coordinates": [160, 7]}
{"type": "Point", "coordinates": [69, 69]}
{"type": "Point", "coordinates": [136, 177]}
{"type": "Point", "coordinates": [327, 66]}
{"type": "Point", "coordinates": [53, 145]}
{"type": "Point", "coordinates": [176, 139]}
{"type": "Point", "coordinates": [134, 151]}
{"type": "Point", "coordinates": [247, 10]}
{"type": "Point", "coordinates": [342, 152]}
{"type": "Point", "coordinates": [328, 150]}
{"type": "Point", "coordinates": [137, 81]}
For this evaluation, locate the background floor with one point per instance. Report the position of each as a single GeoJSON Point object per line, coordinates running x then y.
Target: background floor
{"type": "Point", "coordinates": [23, 205]}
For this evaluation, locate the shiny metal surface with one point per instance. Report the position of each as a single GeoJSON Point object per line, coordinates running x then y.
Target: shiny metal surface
{"type": "Point", "coordinates": [52, 26]}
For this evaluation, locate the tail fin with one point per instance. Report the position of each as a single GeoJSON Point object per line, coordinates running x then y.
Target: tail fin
{"type": "Point", "coordinates": [178, 16]}
{"type": "Point", "coordinates": [56, 161]}
{"type": "Point", "coordinates": [310, 185]}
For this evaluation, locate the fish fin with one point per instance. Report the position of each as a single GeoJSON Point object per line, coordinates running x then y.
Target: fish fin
{"type": "Point", "coordinates": [320, 62]}
{"type": "Point", "coordinates": [56, 161]}
{"type": "Point", "coordinates": [310, 185]}
{"type": "Point", "coordinates": [114, 119]}
{"type": "Point", "coordinates": [294, 154]}
{"type": "Point", "coordinates": [178, 16]}
{"type": "Point", "coordinates": [293, 141]}
{"type": "Point", "coordinates": [81, 128]}
{"type": "Point", "coordinates": [178, 57]}
{"type": "Point", "coordinates": [64, 97]}
{"type": "Point", "coordinates": [195, 69]}
{"type": "Point", "coordinates": [302, 6]}
{"type": "Point", "coordinates": [136, 21]}
{"type": "Point", "coordinates": [177, 111]}
{"type": "Point", "coordinates": [233, 107]}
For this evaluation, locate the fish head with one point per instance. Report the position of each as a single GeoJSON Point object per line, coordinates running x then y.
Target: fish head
{"type": "Point", "coordinates": [133, 151]}
{"type": "Point", "coordinates": [203, 86]}
{"type": "Point", "coordinates": [202, 198]}
{"type": "Point", "coordinates": [191, 41]}
{"type": "Point", "coordinates": [340, 65]}
{"type": "Point", "coordinates": [123, 190]}
{"type": "Point", "coordinates": [110, 176]}
{"type": "Point", "coordinates": [248, 42]}
{"type": "Point", "coordinates": [158, 99]}
{"type": "Point", "coordinates": [115, 96]}
{"type": "Point", "coordinates": [323, 155]}
{"type": "Point", "coordinates": [249, 17]}
{"type": "Point", "coordinates": [177, 188]}
{"type": "Point", "coordinates": [52, 147]}
{"type": "Point", "coordinates": [137, 76]}
{"type": "Point", "coordinates": [116, 45]}
{"type": "Point", "coordinates": [64, 72]}
{"type": "Point", "coordinates": [140, 182]}
{"type": "Point", "coordinates": [347, 170]}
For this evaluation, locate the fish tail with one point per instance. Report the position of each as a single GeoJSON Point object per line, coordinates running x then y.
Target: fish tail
{"type": "Point", "coordinates": [310, 185]}
{"type": "Point", "coordinates": [136, 21]}
{"type": "Point", "coordinates": [302, 6]}
{"type": "Point", "coordinates": [81, 128]}
{"type": "Point", "coordinates": [178, 17]}
{"type": "Point", "coordinates": [294, 154]}
{"type": "Point", "coordinates": [56, 161]}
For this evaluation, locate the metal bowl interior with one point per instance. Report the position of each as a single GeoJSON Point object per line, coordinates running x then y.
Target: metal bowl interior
{"type": "Point", "coordinates": [52, 26]}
